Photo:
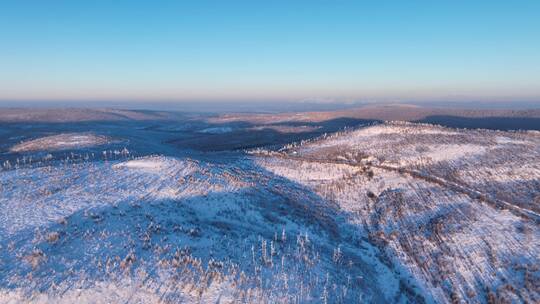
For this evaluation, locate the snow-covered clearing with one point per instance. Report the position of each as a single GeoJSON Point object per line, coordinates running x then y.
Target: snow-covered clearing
{"type": "Point", "coordinates": [61, 142]}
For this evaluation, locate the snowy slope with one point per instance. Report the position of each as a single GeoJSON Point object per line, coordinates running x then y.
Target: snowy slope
{"type": "Point", "coordinates": [179, 230]}
{"type": "Point", "coordinates": [426, 196]}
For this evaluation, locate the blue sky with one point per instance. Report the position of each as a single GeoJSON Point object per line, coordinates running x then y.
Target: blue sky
{"type": "Point", "coordinates": [270, 50]}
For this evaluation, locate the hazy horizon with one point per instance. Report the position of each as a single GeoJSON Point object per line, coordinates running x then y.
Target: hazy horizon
{"type": "Point", "coordinates": [259, 107]}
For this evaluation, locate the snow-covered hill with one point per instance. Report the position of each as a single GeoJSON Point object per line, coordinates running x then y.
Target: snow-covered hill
{"type": "Point", "coordinates": [179, 230]}
{"type": "Point", "coordinates": [388, 213]}
{"type": "Point", "coordinates": [456, 209]}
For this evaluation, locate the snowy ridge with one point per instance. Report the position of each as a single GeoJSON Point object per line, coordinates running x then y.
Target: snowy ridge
{"type": "Point", "coordinates": [435, 217]}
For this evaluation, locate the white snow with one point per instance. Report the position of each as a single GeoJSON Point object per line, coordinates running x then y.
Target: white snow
{"type": "Point", "coordinates": [439, 153]}
{"type": "Point", "coordinates": [382, 214]}
{"type": "Point", "coordinates": [77, 224]}
{"type": "Point", "coordinates": [431, 223]}
{"type": "Point", "coordinates": [61, 142]}
{"type": "Point", "coordinates": [217, 130]}
{"type": "Point", "coordinates": [148, 164]}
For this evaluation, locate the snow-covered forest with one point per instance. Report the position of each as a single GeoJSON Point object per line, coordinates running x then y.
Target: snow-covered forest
{"type": "Point", "coordinates": [386, 212]}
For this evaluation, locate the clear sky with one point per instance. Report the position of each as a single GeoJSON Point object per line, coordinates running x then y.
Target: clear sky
{"type": "Point", "coordinates": [269, 50]}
